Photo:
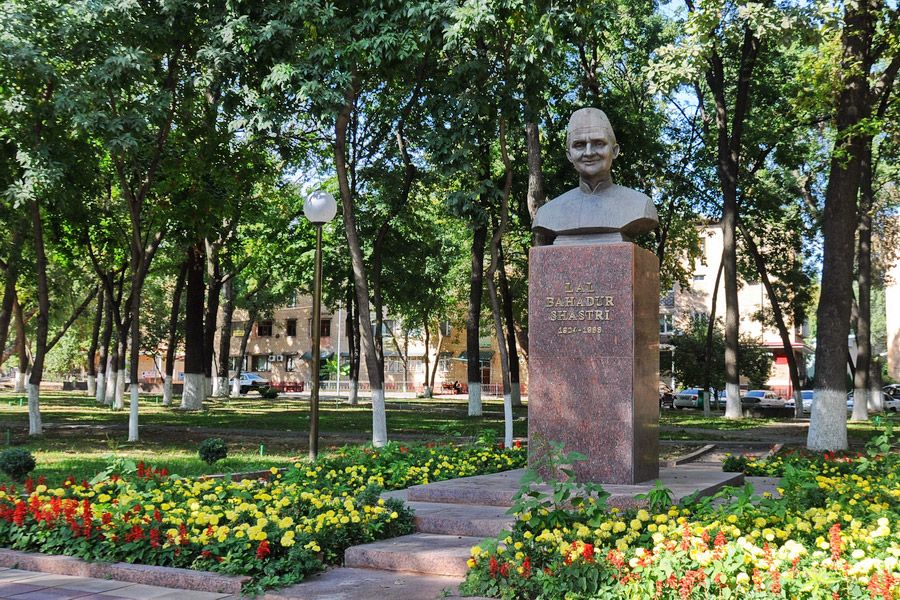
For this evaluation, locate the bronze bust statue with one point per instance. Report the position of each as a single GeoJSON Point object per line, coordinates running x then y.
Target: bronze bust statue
{"type": "Point", "coordinates": [598, 210]}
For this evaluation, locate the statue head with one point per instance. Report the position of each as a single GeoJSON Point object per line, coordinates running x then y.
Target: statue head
{"type": "Point", "coordinates": [591, 145]}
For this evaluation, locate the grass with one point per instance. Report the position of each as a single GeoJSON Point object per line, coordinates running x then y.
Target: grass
{"type": "Point", "coordinates": [280, 414]}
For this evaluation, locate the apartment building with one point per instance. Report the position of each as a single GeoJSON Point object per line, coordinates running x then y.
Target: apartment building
{"type": "Point", "coordinates": [679, 305]}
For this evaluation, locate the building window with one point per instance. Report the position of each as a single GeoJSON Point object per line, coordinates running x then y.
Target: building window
{"type": "Point", "coordinates": [290, 363]}
{"type": "Point", "coordinates": [415, 365]}
{"type": "Point", "coordinates": [444, 365]}
{"type": "Point", "coordinates": [393, 365]}
{"type": "Point", "coordinates": [699, 316]}
{"type": "Point", "coordinates": [446, 328]}
{"type": "Point", "coordinates": [233, 362]}
{"type": "Point", "coordinates": [325, 331]}
{"type": "Point", "coordinates": [290, 327]}
{"type": "Point", "coordinates": [666, 323]}
{"type": "Point", "coordinates": [699, 277]}
{"type": "Point", "coordinates": [264, 328]}
{"type": "Point", "coordinates": [667, 299]}
{"type": "Point", "coordinates": [238, 328]}
{"type": "Point", "coordinates": [259, 362]}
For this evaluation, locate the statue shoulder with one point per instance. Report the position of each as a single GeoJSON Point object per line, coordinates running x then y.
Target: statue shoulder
{"type": "Point", "coordinates": [638, 201]}
{"type": "Point", "coordinates": [557, 207]}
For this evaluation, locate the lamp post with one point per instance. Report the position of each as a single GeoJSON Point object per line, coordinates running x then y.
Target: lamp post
{"type": "Point", "coordinates": [320, 208]}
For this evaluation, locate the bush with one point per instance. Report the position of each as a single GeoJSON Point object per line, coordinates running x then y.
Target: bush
{"type": "Point", "coordinates": [17, 463]}
{"type": "Point", "coordinates": [213, 450]}
{"type": "Point", "coordinates": [268, 393]}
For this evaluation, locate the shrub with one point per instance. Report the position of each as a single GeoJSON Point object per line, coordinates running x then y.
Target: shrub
{"type": "Point", "coordinates": [17, 463]}
{"type": "Point", "coordinates": [268, 393]}
{"type": "Point", "coordinates": [213, 450]}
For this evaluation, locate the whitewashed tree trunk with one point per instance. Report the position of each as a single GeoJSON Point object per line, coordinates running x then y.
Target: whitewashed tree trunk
{"type": "Point", "coordinates": [353, 393]}
{"type": "Point", "coordinates": [221, 386]}
{"type": "Point", "coordinates": [236, 387]}
{"type": "Point", "coordinates": [110, 394]}
{"type": "Point", "coordinates": [860, 405]}
{"type": "Point", "coordinates": [427, 391]}
{"type": "Point", "coordinates": [92, 385]}
{"type": "Point", "coordinates": [194, 391]}
{"type": "Point", "coordinates": [133, 413]}
{"type": "Point", "coordinates": [167, 390]}
{"type": "Point", "coordinates": [100, 391]}
{"type": "Point", "coordinates": [507, 420]}
{"type": "Point", "coordinates": [21, 382]}
{"type": "Point", "coordinates": [34, 410]}
{"type": "Point", "coordinates": [828, 421]}
{"type": "Point", "coordinates": [474, 399]}
{"type": "Point", "coordinates": [379, 419]}
{"type": "Point", "coordinates": [733, 401]}
{"type": "Point", "coordinates": [214, 388]}
{"type": "Point", "coordinates": [876, 400]}
{"type": "Point", "coordinates": [120, 390]}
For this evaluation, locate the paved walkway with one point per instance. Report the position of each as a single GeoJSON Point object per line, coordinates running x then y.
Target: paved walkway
{"type": "Point", "coordinates": [16, 584]}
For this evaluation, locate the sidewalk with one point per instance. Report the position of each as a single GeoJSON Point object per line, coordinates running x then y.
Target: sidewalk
{"type": "Point", "coordinates": [16, 584]}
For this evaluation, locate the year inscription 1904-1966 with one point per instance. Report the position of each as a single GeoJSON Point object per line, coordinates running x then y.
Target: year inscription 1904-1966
{"type": "Point", "coordinates": [581, 308]}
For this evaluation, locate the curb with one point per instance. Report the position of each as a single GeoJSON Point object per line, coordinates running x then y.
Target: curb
{"type": "Point", "coordinates": [171, 577]}
{"type": "Point", "coordinates": [688, 458]}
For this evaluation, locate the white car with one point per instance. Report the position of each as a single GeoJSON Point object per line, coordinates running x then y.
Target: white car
{"type": "Point", "coordinates": [251, 381]}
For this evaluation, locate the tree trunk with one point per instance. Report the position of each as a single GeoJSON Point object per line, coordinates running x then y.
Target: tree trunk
{"type": "Point", "coordinates": [225, 338]}
{"type": "Point", "coordinates": [22, 350]}
{"type": "Point", "coordinates": [513, 353]}
{"type": "Point", "coordinates": [779, 322]}
{"type": "Point", "coordinates": [496, 240]}
{"type": "Point", "coordinates": [121, 353]}
{"type": "Point", "coordinates": [828, 420]}
{"type": "Point", "coordinates": [43, 322]}
{"type": "Point", "coordinates": [861, 384]}
{"type": "Point", "coordinates": [112, 375]}
{"type": "Point", "coordinates": [103, 358]}
{"type": "Point", "coordinates": [236, 386]}
{"type": "Point", "coordinates": [9, 287]}
{"type": "Point", "coordinates": [379, 421]}
{"type": "Point", "coordinates": [473, 320]}
{"type": "Point", "coordinates": [536, 195]}
{"type": "Point", "coordinates": [194, 378]}
{"type": "Point", "coordinates": [353, 349]}
{"type": "Point", "coordinates": [95, 340]}
{"type": "Point", "coordinates": [214, 276]}
{"type": "Point", "coordinates": [172, 342]}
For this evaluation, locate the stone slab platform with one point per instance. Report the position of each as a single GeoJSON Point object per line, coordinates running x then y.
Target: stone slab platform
{"type": "Point", "coordinates": [498, 489]}
{"type": "Point", "coordinates": [353, 584]}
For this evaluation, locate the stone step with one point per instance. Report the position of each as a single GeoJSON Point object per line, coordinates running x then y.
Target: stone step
{"type": "Point", "coordinates": [426, 553]}
{"type": "Point", "coordinates": [472, 520]}
{"type": "Point", "coordinates": [496, 489]}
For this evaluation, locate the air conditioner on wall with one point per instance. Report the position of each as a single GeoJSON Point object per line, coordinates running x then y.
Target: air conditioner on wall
{"type": "Point", "coordinates": [273, 358]}
{"type": "Point", "coordinates": [279, 358]}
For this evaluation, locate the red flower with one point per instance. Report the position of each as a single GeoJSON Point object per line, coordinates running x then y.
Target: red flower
{"type": "Point", "coordinates": [19, 514]}
{"type": "Point", "coordinates": [493, 566]}
{"type": "Point", "coordinates": [836, 542]}
{"type": "Point", "coordinates": [263, 550]}
{"type": "Point", "coordinates": [588, 553]}
{"type": "Point", "coordinates": [517, 444]}
{"type": "Point", "coordinates": [29, 485]}
{"type": "Point", "coordinates": [526, 568]}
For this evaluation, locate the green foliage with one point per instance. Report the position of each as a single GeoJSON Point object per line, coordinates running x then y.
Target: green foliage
{"type": "Point", "coordinates": [212, 450]}
{"type": "Point", "coordinates": [538, 509]}
{"type": "Point", "coordinates": [17, 463]}
{"type": "Point", "coordinates": [658, 499]}
{"type": "Point", "coordinates": [754, 359]}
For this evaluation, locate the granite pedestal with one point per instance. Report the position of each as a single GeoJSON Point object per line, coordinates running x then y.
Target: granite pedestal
{"type": "Point", "coordinates": [594, 358]}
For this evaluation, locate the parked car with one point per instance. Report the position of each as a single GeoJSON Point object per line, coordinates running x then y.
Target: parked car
{"type": "Point", "coordinates": [762, 398]}
{"type": "Point", "coordinates": [889, 402]}
{"type": "Point", "coordinates": [806, 396]}
{"type": "Point", "coordinates": [892, 390]}
{"type": "Point", "coordinates": [251, 382]}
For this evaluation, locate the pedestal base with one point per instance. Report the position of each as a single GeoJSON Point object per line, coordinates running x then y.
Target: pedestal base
{"type": "Point", "coordinates": [594, 359]}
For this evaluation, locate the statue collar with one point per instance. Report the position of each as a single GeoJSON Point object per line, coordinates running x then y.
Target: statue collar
{"type": "Point", "coordinates": [603, 184]}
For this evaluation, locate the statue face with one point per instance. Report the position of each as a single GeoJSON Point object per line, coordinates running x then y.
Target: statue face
{"type": "Point", "coordinates": [592, 150]}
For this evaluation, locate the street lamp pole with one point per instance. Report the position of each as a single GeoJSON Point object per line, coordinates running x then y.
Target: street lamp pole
{"type": "Point", "coordinates": [320, 208]}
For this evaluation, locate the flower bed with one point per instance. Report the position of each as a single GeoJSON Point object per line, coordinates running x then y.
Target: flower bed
{"type": "Point", "coordinates": [276, 530]}
{"type": "Point", "coordinates": [833, 535]}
